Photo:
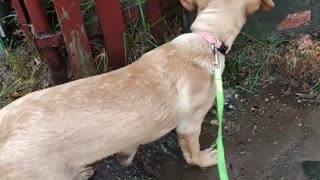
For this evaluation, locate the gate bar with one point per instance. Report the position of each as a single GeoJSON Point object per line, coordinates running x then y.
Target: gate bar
{"type": "Point", "coordinates": [113, 27]}
{"type": "Point", "coordinates": [76, 39]}
{"type": "Point", "coordinates": [39, 20]}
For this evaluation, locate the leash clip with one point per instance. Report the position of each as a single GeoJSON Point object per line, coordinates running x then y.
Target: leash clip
{"type": "Point", "coordinates": [216, 64]}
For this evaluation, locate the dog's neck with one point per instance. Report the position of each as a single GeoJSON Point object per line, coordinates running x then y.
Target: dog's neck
{"type": "Point", "coordinates": [221, 21]}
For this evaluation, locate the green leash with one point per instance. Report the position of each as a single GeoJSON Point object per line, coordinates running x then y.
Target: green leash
{"type": "Point", "coordinates": [217, 73]}
{"type": "Point", "coordinates": [2, 49]}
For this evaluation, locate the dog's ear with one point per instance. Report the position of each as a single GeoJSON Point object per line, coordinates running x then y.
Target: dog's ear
{"type": "Point", "coordinates": [267, 4]}
{"type": "Point", "coordinates": [188, 5]}
{"type": "Point", "coordinates": [254, 5]}
{"type": "Point", "coordinates": [194, 5]}
{"type": "Point", "coordinates": [201, 4]}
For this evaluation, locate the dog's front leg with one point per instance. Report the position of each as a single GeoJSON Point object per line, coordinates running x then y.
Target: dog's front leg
{"type": "Point", "coordinates": [188, 137]}
{"type": "Point", "coordinates": [126, 156]}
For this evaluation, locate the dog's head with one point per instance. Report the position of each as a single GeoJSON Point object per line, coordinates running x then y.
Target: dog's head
{"type": "Point", "coordinates": [251, 5]}
{"type": "Point", "coordinates": [254, 5]}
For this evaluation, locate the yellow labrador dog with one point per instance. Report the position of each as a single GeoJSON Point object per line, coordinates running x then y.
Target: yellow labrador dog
{"type": "Point", "coordinates": [53, 134]}
{"type": "Point", "coordinates": [251, 5]}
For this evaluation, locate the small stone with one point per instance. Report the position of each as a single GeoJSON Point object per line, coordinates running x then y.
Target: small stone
{"type": "Point", "coordinates": [249, 140]}
{"type": "Point", "coordinates": [253, 109]}
{"type": "Point", "coordinates": [266, 100]}
{"type": "Point", "coordinates": [214, 122]}
{"type": "Point", "coordinates": [231, 106]}
{"type": "Point", "coordinates": [275, 142]}
{"type": "Point", "coordinates": [16, 95]}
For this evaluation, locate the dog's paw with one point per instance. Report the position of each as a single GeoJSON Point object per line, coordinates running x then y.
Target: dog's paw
{"type": "Point", "coordinates": [124, 159]}
{"type": "Point", "coordinates": [86, 173]}
{"type": "Point", "coordinates": [206, 158]}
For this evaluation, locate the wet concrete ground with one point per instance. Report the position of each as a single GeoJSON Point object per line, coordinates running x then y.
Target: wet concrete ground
{"type": "Point", "coordinates": [263, 24]}
{"type": "Point", "coordinates": [267, 137]}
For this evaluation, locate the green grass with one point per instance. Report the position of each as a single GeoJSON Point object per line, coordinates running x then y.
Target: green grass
{"type": "Point", "coordinates": [101, 61]}
{"type": "Point", "coordinates": [138, 40]}
{"type": "Point", "coordinates": [249, 60]}
{"type": "Point", "coordinates": [21, 72]}
{"type": "Point", "coordinates": [251, 65]}
{"type": "Point", "coordinates": [129, 3]}
{"type": "Point", "coordinates": [245, 66]}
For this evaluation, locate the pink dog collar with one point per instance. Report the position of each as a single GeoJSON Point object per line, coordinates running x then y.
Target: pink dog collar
{"type": "Point", "coordinates": [213, 41]}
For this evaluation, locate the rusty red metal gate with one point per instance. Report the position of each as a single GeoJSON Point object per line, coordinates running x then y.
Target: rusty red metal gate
{"type": "Point", "coordinates": [112, 19]}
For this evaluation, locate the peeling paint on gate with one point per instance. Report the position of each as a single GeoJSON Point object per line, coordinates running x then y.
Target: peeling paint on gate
{"type": "Point", "coordinates": [75, 38]}
{"type": "Point", "coordinates": [65, 14]}
{"type": "Point", "coordinates": [78, 50]}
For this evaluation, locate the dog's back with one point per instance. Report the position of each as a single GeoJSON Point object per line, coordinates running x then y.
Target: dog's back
{"type": "Point", "coordinates": [55, 127]}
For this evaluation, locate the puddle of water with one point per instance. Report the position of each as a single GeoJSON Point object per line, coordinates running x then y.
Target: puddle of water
{"type": "Point", "coordinates": [311, 169]}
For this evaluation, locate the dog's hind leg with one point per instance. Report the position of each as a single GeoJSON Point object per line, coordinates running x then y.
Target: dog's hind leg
{"type": "Point", "coordinates": [125, 157]}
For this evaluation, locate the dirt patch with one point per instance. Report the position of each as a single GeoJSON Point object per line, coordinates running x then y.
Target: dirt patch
{"type": "Point", "coordinates": [300, 58]}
